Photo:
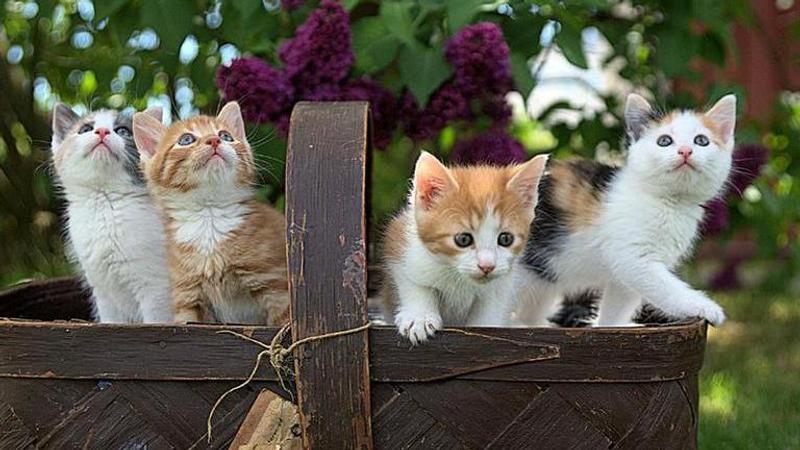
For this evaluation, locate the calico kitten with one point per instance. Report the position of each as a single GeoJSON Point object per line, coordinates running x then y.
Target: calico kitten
{"type": "Point", "coordinates": [114, 229]}
{"type": "Point", "coordinates": [625, 230]}
{"type": "Point", "coordinates": [226, 250]}
{"type": "Point", "coordinates": [450, 254]}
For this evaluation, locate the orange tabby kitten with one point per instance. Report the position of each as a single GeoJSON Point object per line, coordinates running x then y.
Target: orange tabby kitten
{"type": "Point", "coordinates": [226, 250]}
{"type": "Point", "coordinates": [450, 255]}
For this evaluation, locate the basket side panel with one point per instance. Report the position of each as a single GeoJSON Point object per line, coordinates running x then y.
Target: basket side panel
{"type": "Point", "coordinates": [500, 414]}
{"type": "Point", "coordinates": [63, 414]}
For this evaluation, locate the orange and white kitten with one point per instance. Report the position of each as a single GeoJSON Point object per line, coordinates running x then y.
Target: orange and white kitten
{"type": "Point", "coordinates": [450, 255]}
{"type": "Point", "coordinates": [226, 251]}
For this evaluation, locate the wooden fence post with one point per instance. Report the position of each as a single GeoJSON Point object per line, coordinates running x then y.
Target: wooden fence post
{"type": "Point", "coordinates": [326, 173]}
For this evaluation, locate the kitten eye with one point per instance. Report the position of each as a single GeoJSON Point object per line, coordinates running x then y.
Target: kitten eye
{"type": "Point", "coordinates": [664, 140]}
{"type": "Point", "coordinates": [186, 139]}
{"type": "Point", "coordinates": [85, 128]}
{"type": "Point", "coordinates": [225, 136]}
{"type": "Point", "coordinates": [463, 239]}
{"type": "Point", "coordinates": [505, 239]}
{"type": "Point", "coordinates": [701, 140]}
{"type": "Point", "coordinates": [123, 131]}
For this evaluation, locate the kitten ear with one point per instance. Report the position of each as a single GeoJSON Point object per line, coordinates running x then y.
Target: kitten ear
{"type": "Point", "coordinates": [231, 115]}
{"type": "Point", "coordinates": [525, 181]}
{"type": "Point", "coordinates": [63, 119]}
{"type": "Point", "coordinates": [156, 112]}
{"type": "Point", "coordinates": [147, 132]}
{"type": "Point", "coordinates": [638, 113]}
{"type": "Point", "coordinates": [723, 114]}
{"type": "Point", "coordinates": [431, 180]}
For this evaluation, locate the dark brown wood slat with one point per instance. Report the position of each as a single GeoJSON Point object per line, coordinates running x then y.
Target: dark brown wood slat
{"type": "Point", "coordinates": [326, 173]}
{"type": "Point", "coordinates": [58, 298]}
{"type": "Point", "coordinates": [228, 422]}
{"type": "Point", "coordinates": [613, 408]}
{"type": "Point", "coordinates": [404, 423]}
{"type": "Point", "coordinates": [197, 352]}
{"type": "Point", "coordinates": [549, 422]}
{"type": "Point", "coordinates": [643, 354]}
{"type": "Point", "coordinates": [41, 404]}
{"type": "Point", "coordinates": [476, 411]}
{"type": "Point", "coordinates": [13, 433]}
{"type": "Point", "coordinates": [666, 423]}
{"type": "Point", "coordinates": [104, 420]}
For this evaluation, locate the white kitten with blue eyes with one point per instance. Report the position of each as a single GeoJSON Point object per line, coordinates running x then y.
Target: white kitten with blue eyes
{"type": "Point", "coordinates": [115, 232]}
{"type": "Point", "coordinates": [625, 230]}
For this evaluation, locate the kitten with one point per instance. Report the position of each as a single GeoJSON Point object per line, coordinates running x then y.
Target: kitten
{"type": "Point", "coordinates": [114, 230]}
{"type": "Point", "coordinates": [450, 254]}
{"type": "Point", "coordinates": [226, 250]}
{"type": "Point", "coordinates": [625, 230]}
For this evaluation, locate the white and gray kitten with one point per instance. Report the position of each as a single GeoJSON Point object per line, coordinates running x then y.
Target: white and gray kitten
{"type": "Point", "coordinates": [115, 233]}
{"type": "Point", "coordinates": [625, 230]}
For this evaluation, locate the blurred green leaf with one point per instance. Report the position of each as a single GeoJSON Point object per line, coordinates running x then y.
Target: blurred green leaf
{"type": "Point", "coordinates": [373, 45]}
{"type": "Point", "coordinates": [521, 71]}
{"type": "Point", "coordinates": [107, 8]}
{"type": "Point", "coordinates": [397, 19]}
{"type": "Point", "coordinates": [571, 44]}
{"type": "Point", "coordinates": [423, 71]}
{"type": "Point", "coordinates": [461, 12]}
{"type": "Point", "coordinates": [171, 19]}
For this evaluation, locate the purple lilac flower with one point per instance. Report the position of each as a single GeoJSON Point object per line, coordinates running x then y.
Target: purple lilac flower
{"type": "Point", "coordinates": [291, 5]}
{"type": "Point", "coordinates": [716, 217]}
{"type": "Point", "coordinates": [748, 161]}
{"type": "Point", "coordinates": [320, 51]}
{"type": "Point", "coordinates": [445, 105]}
{"type": "Point", "coordinates": [727, 279]}
{"type": "Point", "coordinates": [497, 108]}
{"type": "Point", "coordinates": [480, 57]}
{"type": "Point", "coordinates": [262, 92]}
{"type": "Point", "coordinates": [492, 147]}
{"type": "Point", "coordinates": [382, 103]}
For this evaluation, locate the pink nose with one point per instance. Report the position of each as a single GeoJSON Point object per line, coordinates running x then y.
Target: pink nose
{"type": "Point", "coordinates": [102, 132]}
{"type": "Point", "coordinates": [686, 152]}
{"type": "Point", "coordinates": [486, 268]}
{"type": "Point", "coordinates": [213, 141]}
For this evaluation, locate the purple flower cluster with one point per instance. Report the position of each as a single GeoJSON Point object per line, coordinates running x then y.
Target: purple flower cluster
{"type": "Point", "coordinates": [482, 78]}
{"type": "Point", "coordinates": [263, 93]}
{"type": "Point", "coordinates": [317, 63]}
{"type": "Point", "coordinates": [480, 57]}
{"type": "Point", "coordinates": [316, 66]}
{"type": "Point", "coordinates": [319, 54]}
{"type": "Point", "coordinates": [494, 147]}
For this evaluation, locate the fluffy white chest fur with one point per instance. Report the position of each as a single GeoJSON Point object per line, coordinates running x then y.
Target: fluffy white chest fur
{"type": "Point", "coordinates": [118, 239]}
{"type": "Point", "coordinates": [204, 227]}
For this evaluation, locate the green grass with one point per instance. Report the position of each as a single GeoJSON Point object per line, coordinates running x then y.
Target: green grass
{"type": "Point", "coordinates": [750, 383]}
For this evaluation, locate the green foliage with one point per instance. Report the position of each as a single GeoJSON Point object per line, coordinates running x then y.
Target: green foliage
{"type": "Point", "coordinates": [396, 42]}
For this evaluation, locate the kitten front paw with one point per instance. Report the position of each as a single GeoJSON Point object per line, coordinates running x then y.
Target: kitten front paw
{"type": "Point", "coordinates": [706, 308]}
{"type": "Point", "coordinates": [418, 327]}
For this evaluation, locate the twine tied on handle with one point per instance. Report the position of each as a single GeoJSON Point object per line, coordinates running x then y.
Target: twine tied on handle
{"type": "Point", "coordinates": [277, 357]}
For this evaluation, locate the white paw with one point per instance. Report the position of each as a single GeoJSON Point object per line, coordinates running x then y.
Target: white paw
{"type": "Point", "coordinates": [418, 327]}
{"type": "Point", "coordinates": [707, 309]}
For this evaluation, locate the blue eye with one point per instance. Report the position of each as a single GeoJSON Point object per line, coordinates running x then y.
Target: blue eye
{"type": "Point", "coordinates": [664, 140]}
{"type": "Point", "coordinates": [463, 239]}
{"type": "Point", "coordinates": [505, 239]}
{"type": "Point", "coordinates": [701, 140]}
{"type": "Point", "coordinates": [225, 136]}
{"type": "Point", "coordinates": [85, 128]}
{"type": "Point", "coordinates": [123, 131]}
{"type": "Point", "coordinates": [186, 139]}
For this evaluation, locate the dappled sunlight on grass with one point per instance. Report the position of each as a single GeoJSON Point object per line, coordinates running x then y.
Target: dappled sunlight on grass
{"type": "Point", "coordinates": [717, 399]}
{"type": "Point", "coordinates": [750, 382]}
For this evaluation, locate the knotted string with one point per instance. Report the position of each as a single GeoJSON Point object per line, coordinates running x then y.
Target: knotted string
{"type": "Point", "coordinates": [277, 356]}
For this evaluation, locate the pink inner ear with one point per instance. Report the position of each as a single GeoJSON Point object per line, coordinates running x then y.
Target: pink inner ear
{"type": "Point", "coordinates": [428, 189]}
